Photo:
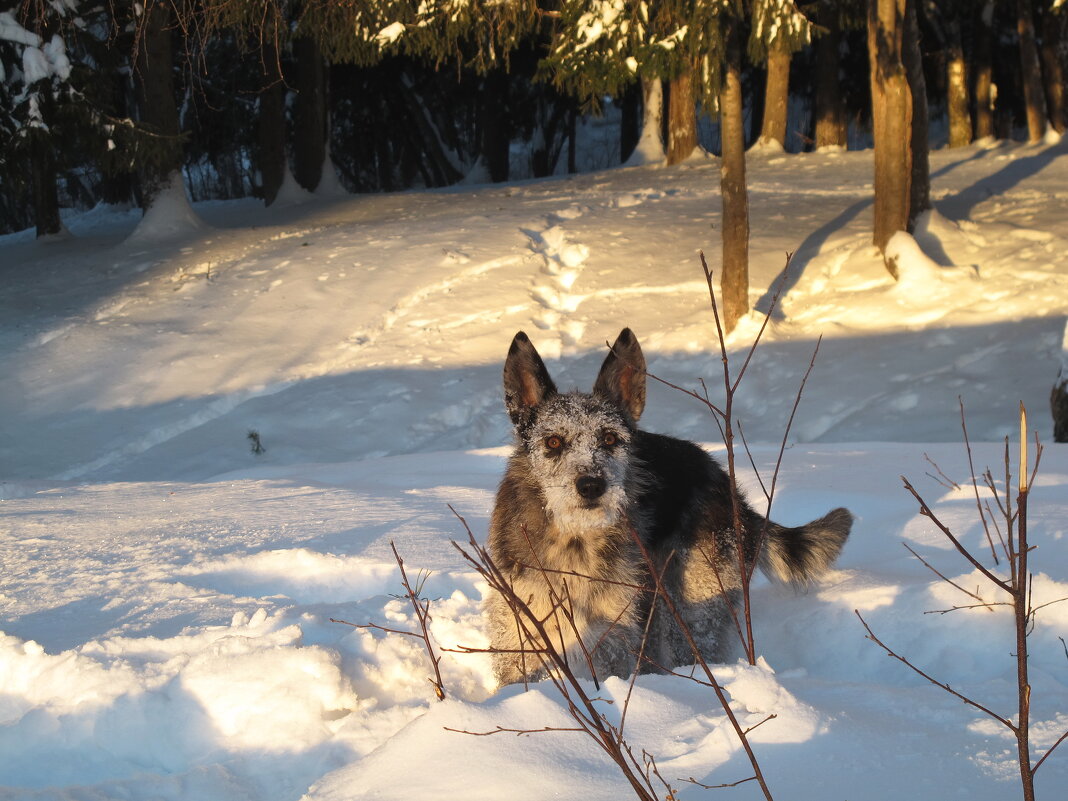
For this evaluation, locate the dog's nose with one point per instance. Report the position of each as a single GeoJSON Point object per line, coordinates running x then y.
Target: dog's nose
{"type": "Point", "coordinates": [590, 487]}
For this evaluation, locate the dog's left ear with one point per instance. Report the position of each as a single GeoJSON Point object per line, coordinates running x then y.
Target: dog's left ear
{"type": "Point", "coordinates": [622, 376]}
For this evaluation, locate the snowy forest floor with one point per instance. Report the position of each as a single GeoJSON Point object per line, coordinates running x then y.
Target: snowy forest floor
{"type": "Point", "coordinates": [167, 594]}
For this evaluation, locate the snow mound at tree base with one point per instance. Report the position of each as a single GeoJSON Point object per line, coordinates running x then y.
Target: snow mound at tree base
{"type": "Point", "coordinates": [170, 216]}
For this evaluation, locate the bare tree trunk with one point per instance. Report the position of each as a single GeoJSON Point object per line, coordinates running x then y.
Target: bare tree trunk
{"type": "Point", "coordinates": [1031, 73]}
{"type": "Point", "coordinates": [830, 111]}
{"type": "Point", "coordinates": [984, 71]}
{"type": "Point", "coordinates": [682, 118]}
{"type": "Point", "coordinates": [572, 144]}
{"type": "Point", "coordinates": [892, 120]}
{"type": "Point", "coordinates": [272, 123]}
{"type": "Point", "coordinates": [1058, 397]}
{"type": "Point", "coordinates": [309, 113]}
{"type": "Point", "coordinates": [734, 278]}
{"type": "Point", "coordinates": [1053, 40]}
{"type": "Point", "coordinates": [630, 121]}
{"type": "Point", "coordinates": [155, 89]}
{"type": "Point", "coordinates": [919, 145]}
{"type": "Point", "coordinates": [957, 101]}
{"type": "Point", "coordinates": [496, 131]}
{"type": "Point", "coordinates": [650, 147]}
{"type": "Point", "coordinates": [776, 96]}
{"type": "Point", "coordinates": [45, 194]}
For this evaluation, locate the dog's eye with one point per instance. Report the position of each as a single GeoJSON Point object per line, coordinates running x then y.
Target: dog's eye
{"type": "Point", "coordinates": [609, 439]}
{"type": "Point", "coordinates": [554, 442]}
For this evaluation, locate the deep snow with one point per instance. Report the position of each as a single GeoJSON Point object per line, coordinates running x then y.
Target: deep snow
{"type": "Point", "coordinates": [167, 594]}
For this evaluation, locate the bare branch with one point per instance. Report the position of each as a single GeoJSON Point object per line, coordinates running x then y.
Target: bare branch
{"type": "Point", "coordinates": [942, 478]}
{"type": "Point", "coordinates": [936, 682]}
{"type": "Point", "coordinates": [925, 510]}
{"type": "Point", "coordinates": [422, 612]}
{"type": "Point", "coordinates": [975, 483]}
{"type": "Point", "coordinates": [694, 781]}
{"type": "Point", "coordinates": [517, 732]}
{"type": "Point", "coordinates": [974, 595]}
{"type": "Point", "coordinates": [1038, 764]}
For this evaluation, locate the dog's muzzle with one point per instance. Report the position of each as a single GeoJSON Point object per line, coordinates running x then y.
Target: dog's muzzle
{"type": "Point", "coordinates": [590, 488]}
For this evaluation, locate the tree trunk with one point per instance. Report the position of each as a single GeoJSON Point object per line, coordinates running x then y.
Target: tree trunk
{"type": "Point", "coordinates": [1058, 399]}
{"type": "Point", "coordinates": [734, 278]}
{"type": "Point", "coordinates": [496, 131]}
{"type": "Point", "coordinates": [630, 121]}
{"type": "Point", "coordinates": [919, 145]}
{"type": "Point", "coordinates": [984, 71]}
{"type": "Point", "coordinates": [957, 101]}
{"type": "Point", "coordinates": [45, 194]}
{"type": "Point", "coordinates": [830, 111]}
{"type": "Point", "coordinates": [159, 112]}
{"type": "Point", "coordinates": [650, 147]}
{"type": "Point", "coordinates": [776, 96]}
{"type": "Point", "coordinates": [682, 118]}
{"type": "Point", "coordinates": [309, 113]}
{"type": "Point", "coordinates": [891, 120]}
{"type": "Point", "coordinates": [118, 183]}
{"type": "Point", "coordinates": [272, 124]}
{"type": "Point", "coordinates": [572, 143]}
{"type": "Point", "coordinates": [1031, 73]}
{"type": "Point", "coordinates": [1053, 38]}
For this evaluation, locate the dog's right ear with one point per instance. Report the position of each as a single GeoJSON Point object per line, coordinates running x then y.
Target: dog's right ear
{"type": "Point", "coordinates": [526, 381]}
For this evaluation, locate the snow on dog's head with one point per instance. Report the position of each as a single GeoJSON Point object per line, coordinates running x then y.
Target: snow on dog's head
{"type": "Point", "coordinates": [578, 444]}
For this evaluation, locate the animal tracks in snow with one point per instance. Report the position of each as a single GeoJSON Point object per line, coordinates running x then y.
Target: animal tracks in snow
{"type": "Point", "coordinates": [563, 261]}
{"type": "Point", "coordinates": [400, 311]}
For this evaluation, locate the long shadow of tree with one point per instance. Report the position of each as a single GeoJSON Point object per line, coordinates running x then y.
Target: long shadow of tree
{"type": "Point", "coordinates": [956, 207]}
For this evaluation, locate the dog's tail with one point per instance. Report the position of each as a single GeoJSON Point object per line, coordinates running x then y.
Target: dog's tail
{"type": "Point", "coordinates": [800, 555]}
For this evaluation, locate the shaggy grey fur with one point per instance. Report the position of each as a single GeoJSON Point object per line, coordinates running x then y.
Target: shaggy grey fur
{"type": "Point", "coordinates": [583, 482]}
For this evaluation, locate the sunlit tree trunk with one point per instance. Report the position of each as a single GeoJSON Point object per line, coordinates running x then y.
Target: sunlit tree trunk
{"type": "Point", "coordinates": [957, 101]}
{"type": "Point", "coordinates": [734, 279]}
{"type": "Point", "coordinates": [630, 120]}
{"type": "Point", "coordinates": [776, 96]}
{"type": "Point", "coordinates": [1031, 73]}
{"type": "Point", "coordinates": [830, 111]}
{"type": "Point", "coordinates": [650, 147]}
{"type": "Point", "coordinates": [892, 120]}
{"type": "Point", "coordinates": [983, 70]}
{"type": "Point", "coordinates": [1054, 34]}
{"type": "Point", "coordinates": [682, 118]}
{"type": "Point", "coordinates": [920, 187]}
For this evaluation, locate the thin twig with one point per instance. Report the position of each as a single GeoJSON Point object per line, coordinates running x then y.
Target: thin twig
{"type": "Point", "coordinates": [694, 781]}
{"type": "Point", "coordinates": [1038, 764]}
{"type": "Point", "coordinates": [925, 510]}
{"type": "Point", "coordinates": [579, 704]}
{"type": "Point", "coordinates": [975, 483]}
{"type": "Point", "coordinates": [422, 612]}
{"type": "Point", "coordinates": [942, 478]}
{"type": "Point", "coordinates": [936, 682]}
{"type": "Point", "coordinates": [699, 657]}
{"type": "Point", "coordinates": [517, 732]}
{"type": "Point", "coordinates": [974, 595]}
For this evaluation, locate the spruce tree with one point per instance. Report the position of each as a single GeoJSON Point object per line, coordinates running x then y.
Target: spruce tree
{"type": "Point", "coordinates": [778, 30]}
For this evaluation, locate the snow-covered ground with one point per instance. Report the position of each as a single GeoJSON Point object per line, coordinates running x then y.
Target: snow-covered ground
{"type": "Point", "coordinates": [166, 594]}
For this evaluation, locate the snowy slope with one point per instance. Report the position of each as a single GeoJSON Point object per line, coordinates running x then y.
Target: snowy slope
{"type": "Point", "coordinates": [167, 594]}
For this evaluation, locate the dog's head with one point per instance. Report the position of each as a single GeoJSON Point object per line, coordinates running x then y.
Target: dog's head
{"type": "Point", "coordinates": [578, 444]}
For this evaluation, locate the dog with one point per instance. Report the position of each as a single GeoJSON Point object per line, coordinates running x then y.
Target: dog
{"type": "Point", "coordinates": [591, 506]}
